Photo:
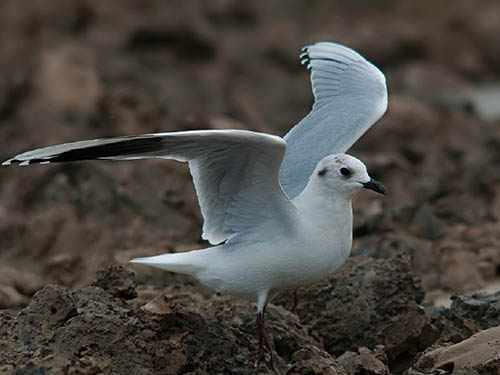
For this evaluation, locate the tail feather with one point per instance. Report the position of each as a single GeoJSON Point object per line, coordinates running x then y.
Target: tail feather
{"type": "Point", "coordinates": [184, 263]}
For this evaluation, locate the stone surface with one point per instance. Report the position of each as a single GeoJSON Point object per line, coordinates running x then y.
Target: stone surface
{"type": "Point", "coordinates": [92, 331]}
{"type": "Point", "coordinates": [314, 361]}
{"type": "Point", "coordinates": [177, 330]}
{"type": "Point", "coordinates": [225, 64]}
{"type": "Point", "coordinates": [365, 361]}
{"type": "Point", "coordinates": [479, 354]}
{"type": "Point", "coordinates": [118, 281]}
{"type": "Point", "coordinates": [368, 302]}
{"type": "Point", "coordinates": [467, 315]}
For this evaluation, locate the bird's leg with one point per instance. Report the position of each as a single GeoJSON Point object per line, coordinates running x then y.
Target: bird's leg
{"type": "Point", "coordinates": [267, 344]}
{"type": "Point", "coordinates": [295, 301]}
{"type": "Point", "coordinates": [262, 334]}
{"type": "Point", "coordinates": [263, 338]}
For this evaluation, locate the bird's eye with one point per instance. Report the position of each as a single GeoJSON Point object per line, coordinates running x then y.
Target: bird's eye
{"type": "Point", "coordinates": [345, 171]}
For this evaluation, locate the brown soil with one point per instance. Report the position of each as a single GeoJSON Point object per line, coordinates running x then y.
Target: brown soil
{"type": "Point", "coordinates": [85, 69]}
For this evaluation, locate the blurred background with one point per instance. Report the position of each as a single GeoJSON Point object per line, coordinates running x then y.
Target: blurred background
{"type": "Point", "coordinates": [80, 69]}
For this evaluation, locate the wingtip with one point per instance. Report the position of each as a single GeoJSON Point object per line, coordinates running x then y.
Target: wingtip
{"type": "Point", "coordinates": [306, 61]}
{"type": "Point", "coordinates": [136, 260]}
{"type": "Point", "coordinates": [24, 163]}
{"type": "Point", "coordinates": [305, 58]}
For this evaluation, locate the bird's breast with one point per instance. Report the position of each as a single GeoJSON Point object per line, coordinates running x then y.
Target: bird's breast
{"type": "Point", "coordinates": [314, 254]}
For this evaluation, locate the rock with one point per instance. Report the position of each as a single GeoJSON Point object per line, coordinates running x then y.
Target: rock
{"type": "Point", "coordinates": [365, 361]}
{"type": "Point", "coordinates": [17, 287]}
{"type": "Point", "coordinates": [6, 369]}
{"type": "Point", "coordinates": [49, 308]}
{"type": "Point", "coordinates": [374, 362]}
{"type": "Point", "coordinates": [484, 309]}
{"type": "Point", "coordinates": [457, 274]}
{"type": "Point", "coordinates": [10, 297]}
{"type": "Point", "coordinates": [67, 78]}
{"type": "Point", "coordinates": [314, 361]}
{"type": "Point", "coordinates": [63, 265]}
{"type": "Point", "coordinates": [117, 281]}
{"type": "Point", "coordinates": [489, 257]}
{"type": "Point", "coordinates": [427, 224]}
{"type": "Point", "coordinates": [366, 303]}
{"type": "Point", "coordinates": [467, 315]}
{"type": "Point", "coordinates": [90, 331]}
{"type": "Point", "coordinates": [482, 100]}
{"type": "Point", "coordinates": [479, 354]}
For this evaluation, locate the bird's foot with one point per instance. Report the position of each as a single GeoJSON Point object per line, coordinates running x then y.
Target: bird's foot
{"type": "Point", "coordinates": [295, 302]}
{"type": "Point", "coordinates": [270, 364]}
{"type": "Point", "coordinates": [263, 345]}
{"type": "Point", "coordinates": [261, 358]}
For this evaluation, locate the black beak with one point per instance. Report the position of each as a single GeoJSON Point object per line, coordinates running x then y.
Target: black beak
{"type": "Point", "coordinates": [375, 186]}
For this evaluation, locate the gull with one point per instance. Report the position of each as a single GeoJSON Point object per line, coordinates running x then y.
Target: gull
{"type": "Point", "coordinates": [276, 210]}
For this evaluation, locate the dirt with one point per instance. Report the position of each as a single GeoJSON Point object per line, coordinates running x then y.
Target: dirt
{"type": "Point", "coordinates": [86, 69]}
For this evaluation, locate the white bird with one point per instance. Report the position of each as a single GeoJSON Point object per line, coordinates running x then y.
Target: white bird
{"type": "Point", "coordinates": [278, 210]}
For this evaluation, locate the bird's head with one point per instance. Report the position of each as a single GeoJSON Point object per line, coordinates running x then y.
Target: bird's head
{"type": "Point", "coordinates": [345, 175]}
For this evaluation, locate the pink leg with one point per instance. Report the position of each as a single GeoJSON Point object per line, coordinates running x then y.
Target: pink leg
{"type": "Point", "coordinates": [263, 338]}
{"type": "Point", "coordinates": [295, 301]}
{"type": "Point", "coordinates": [264, 341]}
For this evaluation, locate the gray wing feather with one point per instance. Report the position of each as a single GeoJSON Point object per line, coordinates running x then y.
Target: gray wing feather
{"type": "Point", "coordinates": [350, 96]}
{"type": "Point", "coordinates": [235, 172]}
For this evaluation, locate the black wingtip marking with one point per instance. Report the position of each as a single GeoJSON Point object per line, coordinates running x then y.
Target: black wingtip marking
{"type": "Point", "coordinates": [122, 148]}
{"type": "Point", "coordinates": [305, 59]}
{"type": "Point", "coordinates": [36, 161]}
{"type": "Point", "coordinates": [109, 150]}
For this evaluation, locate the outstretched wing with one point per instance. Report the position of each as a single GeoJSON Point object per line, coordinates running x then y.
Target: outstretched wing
{"type": "Point", "coordinates": [350, 96]}
{"type": "Point", "coordinates": [235, 172]}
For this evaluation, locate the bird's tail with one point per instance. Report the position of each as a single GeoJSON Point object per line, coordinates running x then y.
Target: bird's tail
{"type": "Point", "coordinates": [188, 263]}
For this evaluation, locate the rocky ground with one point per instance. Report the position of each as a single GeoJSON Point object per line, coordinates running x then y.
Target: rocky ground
{"type": "Point", "coordinates": [85, 69]}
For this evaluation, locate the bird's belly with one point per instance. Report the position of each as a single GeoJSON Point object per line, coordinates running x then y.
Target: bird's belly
{"type": "Point", "coordinates": [314, 266]}
{"type": "Point", "coordinates": [285, 265]}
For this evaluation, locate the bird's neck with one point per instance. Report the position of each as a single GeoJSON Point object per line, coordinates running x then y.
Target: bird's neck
{"type": "Point", "coordinates": [325, 206]}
